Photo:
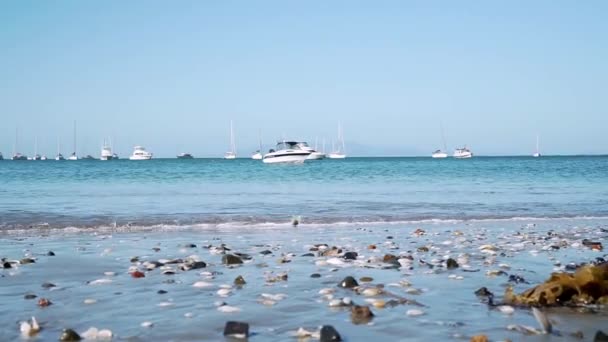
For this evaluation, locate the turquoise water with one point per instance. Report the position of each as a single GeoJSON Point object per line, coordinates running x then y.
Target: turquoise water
{"type": "Point", "coordinates": [214, 191]}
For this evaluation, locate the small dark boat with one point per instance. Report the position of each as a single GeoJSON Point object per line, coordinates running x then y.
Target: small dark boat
{"type": "Point", "coordinates": [185, 156]}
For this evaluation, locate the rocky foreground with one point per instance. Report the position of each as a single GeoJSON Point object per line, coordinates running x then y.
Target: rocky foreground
{"type": "Point", "coordinates": [358, 284]}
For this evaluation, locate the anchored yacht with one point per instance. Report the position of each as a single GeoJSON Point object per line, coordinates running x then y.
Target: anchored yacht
{"type": "Point", "coordinates": [439, 154]}
{"type": "Point", "coordinates": [19, 156]}
{"type": "Point", "coordinates": [185, 156]}
{"type": "Point", "coordinates": [1, 156]}
{"type": "Point", "coordinates": [286, 152]}
{"type": "Point", "coordinates": [463, 153]}
{"type": "Point", "coordinates": [106, 153]}
{"type": "Point", "coordinates": [59, 156]}
{"type": "Point", "coordinates": [140, 153]}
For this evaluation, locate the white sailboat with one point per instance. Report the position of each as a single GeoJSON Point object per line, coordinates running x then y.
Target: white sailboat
{"type": "Point", "coordinates": [537, 153]}
{"type": "Point", "coordinates": [36, 155]}
{"type": "Point", "coordinates": [73, 156]}
{"type": "Point", "coordinates": [232, 153]}
{"type": "Point", "coordinates": [258, 154]}
{"type": "Point", "coordinates": [340, 152]}
{"type": "Point", "coordinates": [59, 156]}
{"type": "Point", "coordinates": [440, 154]}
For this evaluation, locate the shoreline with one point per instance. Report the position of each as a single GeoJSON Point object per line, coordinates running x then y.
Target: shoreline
{"type": "Point", "coordinates": [275, 307]}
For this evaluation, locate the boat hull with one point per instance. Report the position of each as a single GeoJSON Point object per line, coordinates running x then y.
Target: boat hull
{"type": "Point", "coordinates": [336, 156]}
{"type": "Point", "coordinates": [257, 156]}
{"type": "Point", "coordinates": [316, 156]}
{"type": "Point", "coordinates": [439, 155]}
{"type": "Point", "coordinates": [277, 158]}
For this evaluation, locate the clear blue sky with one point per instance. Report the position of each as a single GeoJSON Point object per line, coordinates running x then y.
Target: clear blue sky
{"type": "Point", "coordinates": [170, 75]}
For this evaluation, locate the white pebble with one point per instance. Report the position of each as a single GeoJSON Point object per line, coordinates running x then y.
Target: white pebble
{"type": "Point", "coordinates": [506, 309]}
{"type": "Point", "coordinates": [100, 282]}
{"type": "Point", "coordinates": [414, 312]}
{"type": "Point", "coordinates": [224, 292]}
{"type": "Point", "coordinates": [109, 274]}
{"type": "Point", "coordinates": [228, 309]}
{"type": "Point", "coordinates": [202, 284]}
{"type": "Point", "coordinates": [147, 324]}
{"type": "Point", "coordinates": [165, 304]}
{"type": "Point", "coordinates": [89, 301]}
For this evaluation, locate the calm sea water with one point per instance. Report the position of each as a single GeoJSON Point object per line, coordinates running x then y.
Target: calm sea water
{"type": "Point", "coordinates": [214, 191]}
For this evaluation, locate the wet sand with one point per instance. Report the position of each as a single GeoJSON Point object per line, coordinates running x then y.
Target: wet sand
{"type": "Point", "coordinates": [92, 274]}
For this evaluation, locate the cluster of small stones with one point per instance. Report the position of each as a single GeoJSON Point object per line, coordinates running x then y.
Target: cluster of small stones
{"type": "Point", "coordinates": [361, 299]}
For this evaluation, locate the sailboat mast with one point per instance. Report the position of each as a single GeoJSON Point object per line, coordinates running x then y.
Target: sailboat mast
{"type": "Point", "coordinates": [537, 144]}
{"type": "Point", "coordinates": [74, 137]}
{"type": "Point", "coordinates": [35, 146]}
{"type": "Point", "coordinates": [16, 146]}
{"type": "Point", "coordinates": [232, 143]}
{"type": "Point", "coordinates": [445, 146]}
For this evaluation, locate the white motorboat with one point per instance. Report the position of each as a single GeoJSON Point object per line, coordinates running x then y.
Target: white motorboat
{"type": "Point", "coordinates": [257, 155]}
{"type": "Point", "coordinates": [106, 152]}
{"type": "Point", "coordinates": [43, 158]}
{"type": "Point", "coordinates": [115, 156]}
{"type": "Point", "coordinates": [340, 152]}
{"type": "Point", "coordinates": [463, 153]}
{"type": "Point", "coordinates": [286, 152]}
{"type": "Point", "coordinates": [17, 155]}
{"type": "Point", "coordinates": [185, 156]}
{"type": "Point", "coordinates": [537, 153]}
{"type": "Point", "coordinates": [140, 153]}
{"type": "Point", "coordinates": [439, 154]}
{"type": "Point", "coordinates": [232, 153]}
{"type": "Point", "coordinates": [314, 154]}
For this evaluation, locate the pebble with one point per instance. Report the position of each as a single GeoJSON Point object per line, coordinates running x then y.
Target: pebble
{"type": "Point", "coordinates": [506, 309]}
{"type": "Point", "coordinates": [329, 334]}
{"type": "Point", "coordinates": [147, 324]}
{"type": "Point", "coordinates": [100, 281]}
{"type": "Point", "coordinates": [224, 292]}
{"type": "Point", "coordinates": [228, 309]}
{"type": "Point", "coordinates": [29, 329]}
{"type": "Point", "coordinates": [238, 330]}
{"type": "Point", "coordinates": [202, 284]}
{"type": "Point", "coordinates": [69, 335]}
{"type": "Point", "coordinates": [229, 259]}
{"type": "Point", "coordinates": [239, 281]}
{"type": "Point", "coordinates": [43, 302]}
{"type": "Point", "coordinates": [348, 283]}
{"type": "Point", "coordinates": [89, 301]}
{"type": "Point", "coordinates": [414, 312]}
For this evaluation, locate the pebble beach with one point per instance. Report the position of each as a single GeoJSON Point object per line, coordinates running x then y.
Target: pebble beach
{"type": "Point", "coordinates": [395, 282]}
